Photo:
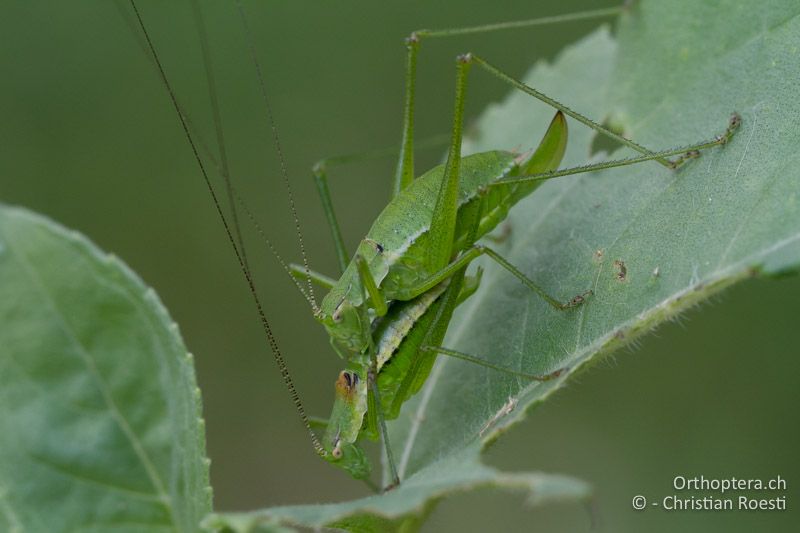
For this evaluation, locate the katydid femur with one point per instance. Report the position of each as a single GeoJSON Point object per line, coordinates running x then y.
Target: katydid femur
{"type": "Point", "coordinates": [388, 312]}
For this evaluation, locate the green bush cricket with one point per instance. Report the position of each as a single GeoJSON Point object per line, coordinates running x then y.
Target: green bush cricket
{"type": "Point", "coordinates": [388, 312]}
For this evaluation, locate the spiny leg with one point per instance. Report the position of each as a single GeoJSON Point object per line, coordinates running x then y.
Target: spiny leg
{"type": "Point", "coordinates": [404, 174]}
{"type": "Point", "coordinates": [488, 364]}
{"type": "Point", "coordinates": [445, 211]}
{"type": "Point", "coordinates": [443, 221]}
{"type": "Point", "coordinates": [684, 154]}
{"type": "Point", "coordinates": [476, 251]}
{"type": "Point", "coordinates": [405, 171]}
{"type": "Point", "coordinates": [405, 165]}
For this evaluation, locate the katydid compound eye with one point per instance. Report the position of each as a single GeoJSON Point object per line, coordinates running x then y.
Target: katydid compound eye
{"type": "Point", "coordinates": [337, 452]}
{"type": "Point", "coordinates": [347, 381]}
{"type": "Point", "coordinates": [337, 313]}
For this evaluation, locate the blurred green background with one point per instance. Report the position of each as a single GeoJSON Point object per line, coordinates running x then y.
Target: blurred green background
{"type": "Point", "coordinates": [87, 137]}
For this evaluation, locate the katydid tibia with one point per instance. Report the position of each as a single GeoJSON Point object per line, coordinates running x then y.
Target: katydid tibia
{"type": "Point", "coordinates": [389, 310]}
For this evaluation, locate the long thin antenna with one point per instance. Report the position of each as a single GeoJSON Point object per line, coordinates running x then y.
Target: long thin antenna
{"type": "Point", "coordinates": [233, 196]}
{"type": "Point", "coordinates": [277, 142]}
{"type": "Point", "coordinates": [287, 379]}
{"type": "Point", "coordinates": [271, 247]}
{"type": "Point", "coordinates": [223, 152]}
{"type": "Point", "coordinates": [207, 152]}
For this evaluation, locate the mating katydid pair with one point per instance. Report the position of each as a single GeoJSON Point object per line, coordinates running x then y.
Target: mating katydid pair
{"type": "Point", "coordinates": [388, 312]}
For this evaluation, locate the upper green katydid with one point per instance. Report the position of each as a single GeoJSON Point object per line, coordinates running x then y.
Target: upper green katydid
{"type": "Point", "coordinates": [424, 236]}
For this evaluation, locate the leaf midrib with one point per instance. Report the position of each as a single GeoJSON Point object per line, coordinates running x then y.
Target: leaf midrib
{"type": "Point", "coordinates": [133, 439]}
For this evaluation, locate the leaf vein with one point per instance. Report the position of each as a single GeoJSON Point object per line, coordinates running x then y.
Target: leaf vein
{"type": "Point", "coordinates": [116, 414]}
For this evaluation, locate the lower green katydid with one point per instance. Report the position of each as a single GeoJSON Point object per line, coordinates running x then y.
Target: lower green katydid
{"type": "Point", "coordinates": [388, 312]}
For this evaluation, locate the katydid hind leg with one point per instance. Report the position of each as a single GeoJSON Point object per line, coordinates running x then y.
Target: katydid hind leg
{"type": "Point", "coordinates": [555, 104]}
{"type": "Point", "coordinates": [476, 251]}
{"type": "Point", "coordinates": [413, 43]}
{"type": "Point", "coordinates": [404, 174]}
{"type": "Point", "coordinates": [445, 212]}
{"type": "Point", "coordinates": [486, 363]}
{"type": "Point", "coordinates": [683, 153]}
{"type": "Point", "coordinates": [443, 221]}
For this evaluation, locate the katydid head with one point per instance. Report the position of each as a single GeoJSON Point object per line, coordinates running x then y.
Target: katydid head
{"type": "Point", "coordinates": [351, 458]}
{"type": "Point", "coordinates": [344, 425]}
{"type": "Point", "coordinates": [348, 328]}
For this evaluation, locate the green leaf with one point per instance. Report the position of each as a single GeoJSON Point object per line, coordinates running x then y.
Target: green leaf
{"type": "Point", "coordinates": [673, 77]}
{"type": "Point", "coordinates": [404, 508]}
{"type": "Point", "coordinates": [682, 235]}
{"type": "Point", "coordinates": [100, 426]}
